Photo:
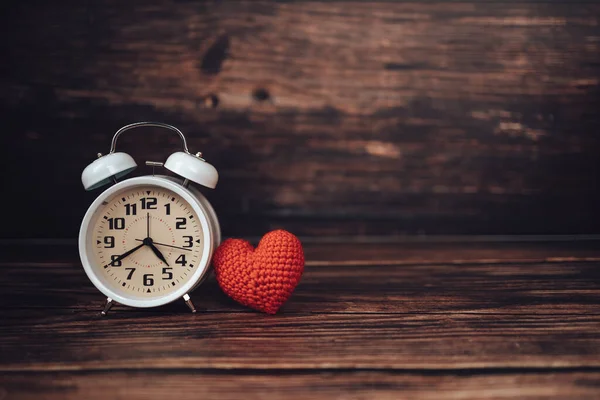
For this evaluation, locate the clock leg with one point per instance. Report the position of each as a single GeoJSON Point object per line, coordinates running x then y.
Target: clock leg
{"type": "Point", "coordinates": [107, 305]}
{"type": "Point", "coordinates": [188, 301]}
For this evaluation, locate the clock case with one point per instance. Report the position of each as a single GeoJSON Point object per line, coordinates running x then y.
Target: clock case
{"type": "Point", "coordinates": [109, 168]}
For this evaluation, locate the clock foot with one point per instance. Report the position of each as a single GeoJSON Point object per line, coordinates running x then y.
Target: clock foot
{"type": "Point", "coordinates": [188, 301]}
{"type": "Point", "coordinates": [107, 305]}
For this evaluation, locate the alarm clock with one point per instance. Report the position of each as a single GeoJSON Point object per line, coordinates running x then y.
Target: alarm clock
{"type": "Point", "coordinates": [148, 240]}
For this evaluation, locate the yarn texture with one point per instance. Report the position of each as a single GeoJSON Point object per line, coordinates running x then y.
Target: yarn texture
{"type": "Point", "coordinates": [262, 278]}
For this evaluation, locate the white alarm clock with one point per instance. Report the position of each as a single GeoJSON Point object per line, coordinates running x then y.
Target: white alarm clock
{"type": "Point", "coordinates": [147, 241]}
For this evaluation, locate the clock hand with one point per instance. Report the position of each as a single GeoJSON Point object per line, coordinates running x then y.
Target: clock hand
{"type": "Point", "coordinates": [122, 256]}
{"type": "Point", "coordinates": [147, 225]}
{"type": "Point", "coordinates": [167, 245]}
{"type": "Point", "coordinates": [157, 252]}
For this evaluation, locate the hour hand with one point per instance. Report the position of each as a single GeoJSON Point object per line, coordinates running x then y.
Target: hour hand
{"type": "Point", "coordinates": [158, 253]}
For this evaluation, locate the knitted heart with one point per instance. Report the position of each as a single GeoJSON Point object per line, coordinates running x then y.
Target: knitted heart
{"type": "Point", "coordinates": [262, 278]}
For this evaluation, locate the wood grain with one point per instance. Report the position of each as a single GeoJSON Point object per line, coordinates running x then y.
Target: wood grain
{"type": "Point", "coordinates": [331, 118]}
{"type": "Point", "coordinates": [419, 278]}
{"type": "Point", "coordinates": [543, 289]}
{"type": "Point", "coordinates": [513, 329]}
{"type": "Point", "coordinates": [388, 317]}
{"type": "Point", "coordinates": [297, 385]}
{"type": "Point", "coordinates": [59, 340]}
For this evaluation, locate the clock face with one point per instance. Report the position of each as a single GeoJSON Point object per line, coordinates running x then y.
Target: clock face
{"type": "Point", "coordinates": [146, 242]}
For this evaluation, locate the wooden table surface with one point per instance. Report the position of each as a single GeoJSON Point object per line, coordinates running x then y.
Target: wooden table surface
{"type": "Point", "coordinates": [405, 320]}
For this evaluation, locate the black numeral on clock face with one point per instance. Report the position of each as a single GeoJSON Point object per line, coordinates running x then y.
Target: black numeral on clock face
{"type": "Point", "coordinates": [116, 223]}
{"type": "Point", "coordinates": [130, 274]}
{"type": "Point", "coordinates": [109, 242]}
{"type": "Point", "coordinates": [148, 203]}
{"type": "Point", "coordinates": [180, 224]}
{"type": "Point", "coordinates": [130, 209]}
{"type": "Point", "coordinates": [148, 280]}
{"type": "Point", "coordinates": [114, 262]}
{"type": "Point", "coordinates": [167, 271]}
{"type": "Point", "coordinates": [188, 241]}
{"type": "Point", "coordinates": [181, 260]}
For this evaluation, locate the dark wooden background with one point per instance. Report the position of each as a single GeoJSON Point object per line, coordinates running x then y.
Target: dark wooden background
{"type": "Point", "coordinates": [326, 118]}
{"type": "Point", "coordinates": [370, 120]}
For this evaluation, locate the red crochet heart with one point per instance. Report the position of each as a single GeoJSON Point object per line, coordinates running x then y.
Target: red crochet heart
{"type": "Point", "coordinates": [262, 278]}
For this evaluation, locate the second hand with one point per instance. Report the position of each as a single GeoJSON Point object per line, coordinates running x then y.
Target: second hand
{"type": "Point", "coordinates": [167, 245]}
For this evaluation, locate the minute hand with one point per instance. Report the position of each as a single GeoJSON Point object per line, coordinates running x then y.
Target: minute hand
{"type": "Point", "coordinates": [168, 245]}
{"type": "Point", "coordinates": [122, 256]}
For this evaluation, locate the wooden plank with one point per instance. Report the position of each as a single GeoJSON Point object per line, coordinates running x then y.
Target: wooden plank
{"type": "Point", "coordinates": [332, 117]}
{"type": "Point", "coordinates": [297, 385]}
{"type": "Point", "coordinates": [541, 289]}
{"type": "Point", "coordinates": [406, 316]}
{"type": "Point", "coordinates": [568, 285]}
{"type": "Point", "coordinates": [466, 329]}
{"type": "Point", "coordinates": [51, 339]}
